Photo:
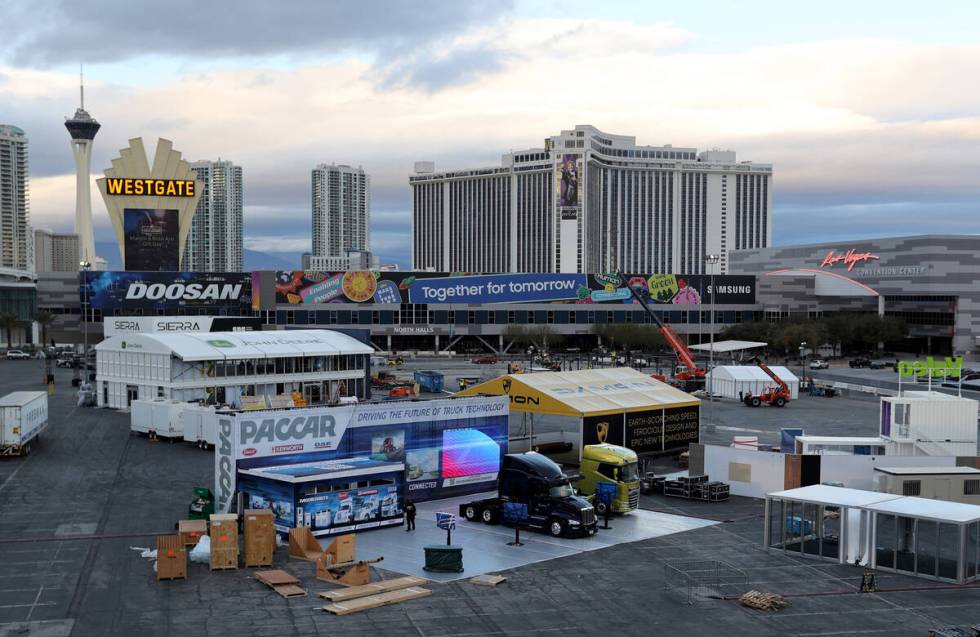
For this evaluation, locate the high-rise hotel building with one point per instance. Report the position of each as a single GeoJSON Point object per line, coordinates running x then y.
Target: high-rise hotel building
{"type": "Point", "coordinates": [214, 243]}
{"type": "Point", "coordinates": [591, 202]}
{"type": "Point", "coordinates": [341, 214]}
{"type": "Point", "coordinates": [15, 239]}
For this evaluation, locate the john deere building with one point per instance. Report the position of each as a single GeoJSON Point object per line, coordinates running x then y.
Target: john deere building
{"type": "Point", "coordinates": [930, 281]}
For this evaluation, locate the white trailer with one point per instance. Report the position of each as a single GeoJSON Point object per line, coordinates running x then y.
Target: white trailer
{"type": "Point", "coordinates": [23, 416]}
{"type": "Point", "coordinates": [199, 425]}
{"type": "Point", "coordinates": [157, 418]}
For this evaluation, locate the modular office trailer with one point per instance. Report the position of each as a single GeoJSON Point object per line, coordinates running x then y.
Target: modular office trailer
{"type": "Point", "coordinates": [436, 448]}
{"type": "Point", "coordinates": [23, 416]}
{"type": "Point", "coordinates": [924, 423]}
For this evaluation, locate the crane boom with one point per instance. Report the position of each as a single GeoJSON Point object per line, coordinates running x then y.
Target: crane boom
{"type": "Point", "coordinates": [684, 355]}
{"type": "Point", "coordinates": [779, 381]}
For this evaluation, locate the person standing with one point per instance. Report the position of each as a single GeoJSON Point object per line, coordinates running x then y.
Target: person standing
{"type": "Point", "coordinates": [409, 516]}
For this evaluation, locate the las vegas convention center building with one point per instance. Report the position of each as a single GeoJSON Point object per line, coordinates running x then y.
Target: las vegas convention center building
{"type": "Point", "coordinates": [929, 281]}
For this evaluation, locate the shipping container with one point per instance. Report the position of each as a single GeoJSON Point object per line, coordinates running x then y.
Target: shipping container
{"type": "Point", "coordinates": [23, 416]}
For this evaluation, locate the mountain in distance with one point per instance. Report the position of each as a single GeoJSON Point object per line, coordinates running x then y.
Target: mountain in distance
{"type": "Point", "coordinates": [254, 259]}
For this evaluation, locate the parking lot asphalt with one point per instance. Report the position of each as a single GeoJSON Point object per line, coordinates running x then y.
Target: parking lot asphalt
{"type": "Point", "coordinates": [71, 511]}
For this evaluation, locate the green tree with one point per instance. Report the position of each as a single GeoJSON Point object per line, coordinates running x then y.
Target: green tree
{"type": "Point", "coordinates": [44, 319]}
{"type": "Point", "coordinates": [8, 321]}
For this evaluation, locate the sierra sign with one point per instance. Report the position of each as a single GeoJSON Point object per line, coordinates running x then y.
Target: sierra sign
{"type": "Point", "coordinates": [931, 368]}
{"type": "Point", "coordinates": [850, 258]}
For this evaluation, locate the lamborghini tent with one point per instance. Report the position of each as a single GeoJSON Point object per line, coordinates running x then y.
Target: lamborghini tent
{"type": "Point", "coordinates": [619, 405]}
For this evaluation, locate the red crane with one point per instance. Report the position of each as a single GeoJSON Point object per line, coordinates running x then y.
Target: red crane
{"type": "Point", "coordinates": [777, 396]}
{"type": "Point", "coordinates": [687, 374]}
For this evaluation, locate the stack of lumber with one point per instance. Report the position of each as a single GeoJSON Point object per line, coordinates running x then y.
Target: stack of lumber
{"type": "Point", "coordinates": [763, 601]}
{"type": "Point", "coordinates": [357, 598]}
{"type": "Point", "coordinates": [281, 582]}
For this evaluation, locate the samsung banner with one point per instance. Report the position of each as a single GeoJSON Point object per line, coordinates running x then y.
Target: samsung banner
{"type": "Point", "coordinates": [435, 288]}
{"type": "Point", "coordinates": [449, 447]}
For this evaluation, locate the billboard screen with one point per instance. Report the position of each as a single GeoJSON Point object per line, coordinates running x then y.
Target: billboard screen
{"type": "Point", "coordinates": [153, 292]}
{"type": "Point", "coordinates": [151, 239]}
{"type": "Point", "coordinates": [434, 288]}
{"type": "Point", "coordinates": [568, 182]}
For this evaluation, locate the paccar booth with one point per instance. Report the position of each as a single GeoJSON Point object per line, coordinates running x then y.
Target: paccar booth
{"type": "Point", "coordinates": [557, 413]}
{"type": "Point", "coordinates": [254, 369]}
{"type": "Point", "coordinates": [339, 469]}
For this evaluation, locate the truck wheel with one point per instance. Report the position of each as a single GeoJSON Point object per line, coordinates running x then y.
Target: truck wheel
{"type": "Point", "coordinates": [470, 513]}
{"type": "Point", "coordinates": [756, 401]}
{"type": "Point", "coordinates": [488, 516]}
{"type": "Point", "coordinates": [780, 402]}
{"type": "Point", "coordinates": [600, 508]}
{"type": "Point", "coordinates": [557, 528]}
{"type": "Point", "coordinates": [26, 450]}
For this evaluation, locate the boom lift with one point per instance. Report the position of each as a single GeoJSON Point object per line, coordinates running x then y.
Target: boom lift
{"type": "Point", "coordinates": [687, 375]}
{"type": "Point", "coordinates": [777, 396]}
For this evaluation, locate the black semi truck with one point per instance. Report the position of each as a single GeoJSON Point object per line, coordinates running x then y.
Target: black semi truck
{"type": "Point", "coordinates": [537, 482]}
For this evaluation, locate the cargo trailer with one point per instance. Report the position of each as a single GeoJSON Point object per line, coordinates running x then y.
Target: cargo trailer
{"type": "Point", "coordinates": [23, 416]}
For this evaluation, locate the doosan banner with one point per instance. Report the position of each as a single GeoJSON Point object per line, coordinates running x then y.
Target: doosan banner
{"type": "Point", "coordinates": [501, 288]}
{"type": "Point", "coordinates": [166, 291]}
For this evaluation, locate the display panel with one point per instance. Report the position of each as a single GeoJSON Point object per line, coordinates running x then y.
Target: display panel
{"type": "Point", "coordinates": [468, 455]}
{"type": "Point", "coordinates": [434, 288]}
{"type": "Point", "coordinates": [151, 239]}
{"type": "Point", "coordinates": [154, 292]}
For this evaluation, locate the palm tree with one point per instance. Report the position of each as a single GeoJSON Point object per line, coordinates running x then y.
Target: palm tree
{"type": "Point", "coordinates": [8, 321]}
{"type": "Point", "coordinates": [44, 319]}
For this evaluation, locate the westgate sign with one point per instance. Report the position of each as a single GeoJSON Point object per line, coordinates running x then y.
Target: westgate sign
{"type": "Point", "coordinates": [850, 258]}
{"type": "Point", "coordinates": [931, 368]}
{"type": "Point", "coordinates": [147, 187]}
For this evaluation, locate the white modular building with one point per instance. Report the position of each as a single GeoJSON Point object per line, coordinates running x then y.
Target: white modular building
{"type": "Point", "coordinates": [252, 369]}
{"type": "Point", "coordinates": [735, 381]}
{"type": "Point", "coordinates": [925, 423]}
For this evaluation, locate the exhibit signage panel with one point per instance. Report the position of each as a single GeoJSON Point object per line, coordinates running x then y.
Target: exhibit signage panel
{"type": "Point", "coordinates": [434, 288]}
{"type": "Point", "coordinates": [152, 292]}
{"type": "Point", "coordinates": [448, 447]}
{"type": "Point", "coordinates": [112, 325]}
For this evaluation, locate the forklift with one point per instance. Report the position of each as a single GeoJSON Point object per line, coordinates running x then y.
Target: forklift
{"type": "Point", "coordinates": [776, 396]}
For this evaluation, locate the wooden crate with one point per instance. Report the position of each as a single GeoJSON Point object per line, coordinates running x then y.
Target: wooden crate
{"type": "Point", "coordinates": [171, 558]}
{"type": "Point", "coordinates": [260, 537]}
{"type": "Point", "coordinates": [303, 545]}
{"type": "Point", "coordinates": [190, 531]}
{"type": "Point", "coordinates": [224, 531]}
{"type": "Point", "coordinates": [224, 558]}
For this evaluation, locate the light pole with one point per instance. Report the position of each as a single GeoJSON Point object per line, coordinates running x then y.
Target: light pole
{"type": "Point", "coordinates": [709, 261]}
{"type": "Point", "coordinates": [86, 266]}
{"type": "Point", "coordinates": [803, 360]}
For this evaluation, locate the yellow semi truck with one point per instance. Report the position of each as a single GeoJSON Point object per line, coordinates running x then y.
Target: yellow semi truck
{"type": "Point", "coordinates": [613, 464]}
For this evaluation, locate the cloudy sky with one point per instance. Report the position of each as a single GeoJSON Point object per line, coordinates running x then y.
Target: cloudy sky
{"type": "Point", "coordinates": [869, 110]}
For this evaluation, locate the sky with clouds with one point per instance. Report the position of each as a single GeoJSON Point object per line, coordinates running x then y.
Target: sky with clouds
{"type": "Point", "coordinates": [869, 110]}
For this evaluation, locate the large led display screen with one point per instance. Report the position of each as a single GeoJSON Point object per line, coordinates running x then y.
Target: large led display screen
{"type": "Point", "coordinates": [468, 455]}
{"type": "Point", "coordinates": [151, 239]}
{"type": "Point", "coordinates": [298, 287]}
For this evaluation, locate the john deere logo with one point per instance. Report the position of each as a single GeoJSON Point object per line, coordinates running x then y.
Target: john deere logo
{"type": "Point", "coordinates": [124, 344]}
{"type": "Point", "coordinates": [220, 343]}
{"type": "Point", "coordinates": [602, 431]}
{"type": "Point", "coordinates": [507, 383]}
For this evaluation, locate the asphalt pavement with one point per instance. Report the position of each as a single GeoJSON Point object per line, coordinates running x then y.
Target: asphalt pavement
{"type": "Point", "coordinates": [71, 512]}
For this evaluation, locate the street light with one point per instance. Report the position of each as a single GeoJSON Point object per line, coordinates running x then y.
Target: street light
{"type": "Point", "coordinates": [709, 261]}
{"type": "Point", "coordinates": [85, 266]}
{"type": "Point", "coordinates": [803, 360]}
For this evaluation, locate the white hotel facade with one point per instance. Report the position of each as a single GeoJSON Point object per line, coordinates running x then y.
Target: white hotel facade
{"type": "Point", "coordinates": [591, 202]}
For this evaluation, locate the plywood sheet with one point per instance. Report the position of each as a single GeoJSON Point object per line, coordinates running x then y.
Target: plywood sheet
{"type": "Point", "coordinates": [374, 588]}
{"type": "Point", "coordinates": [376, 601]}
{"type": "Point", "coordinates": [739, 472]}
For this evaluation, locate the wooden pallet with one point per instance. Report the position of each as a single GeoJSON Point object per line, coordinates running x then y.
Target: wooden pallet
{"type": "Point", "coordinates": [488, 580]}
{"type": "Point", "coordinates": [384, 586]}
{"type": "Point", "coordinates": [280, 581]}
{"type": "Point", "coordinates": [376, 601]}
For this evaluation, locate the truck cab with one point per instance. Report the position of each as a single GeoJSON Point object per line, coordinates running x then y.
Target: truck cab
{"type": "Point", "coordinates": [613, 464]}
{"type": "Point", "coordinates": [539, 483]}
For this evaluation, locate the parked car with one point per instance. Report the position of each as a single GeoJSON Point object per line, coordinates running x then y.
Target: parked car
{"type": "Point", "coordinates": [485, 360]}
{"type": "Point", "coordinates": [857, 363]}
{"type": "Point", "coordinates": [819, 363]}
{"type": "Point", "coordinates": [16, 354]}
{"type": "Point", "coordinates": [879, 364]}
{"type": "Point", "coordinates": [64, 362]}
